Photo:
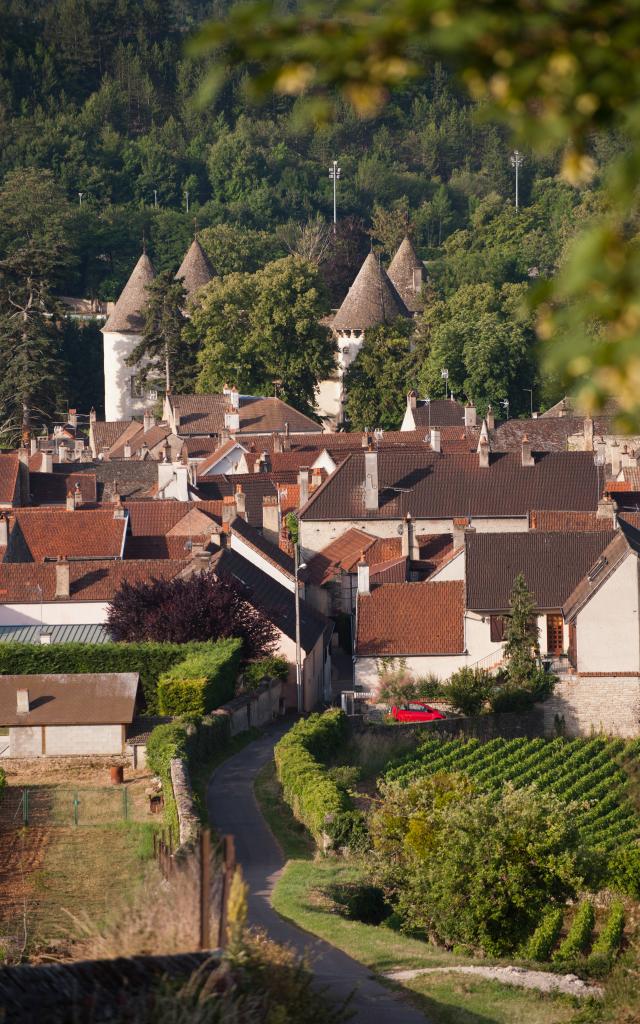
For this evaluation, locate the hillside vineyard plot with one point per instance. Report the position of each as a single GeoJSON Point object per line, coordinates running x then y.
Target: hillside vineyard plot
{"type": "Point", "coordinates": [587, 771]}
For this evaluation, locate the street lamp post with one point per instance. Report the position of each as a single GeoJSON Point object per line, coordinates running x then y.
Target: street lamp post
{"type": "Point", "coordinates": [187, 198]}
{"type": "Point", "coordinates": [530, 390]}
{"type": "Point", "coordinates": [516, 162]}
{"type": "Point", "coordinates": [334, 174]}
{"type": "Point", "coordinates": [80, 195]}
{"type": "Point", "coordinates": [155, 198]}
{"type": "Point", "coordinates": [297, 567]}
{"type": "Point", "coordinates": [445, 376]}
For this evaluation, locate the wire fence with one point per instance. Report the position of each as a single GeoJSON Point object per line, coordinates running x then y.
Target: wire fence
{"type": "Point", "coordinates": [24, 806]}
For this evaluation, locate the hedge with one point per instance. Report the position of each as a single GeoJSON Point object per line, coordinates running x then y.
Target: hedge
{"type": "Point", "coordinates": [202, 682]}
{"type": "Point", "coordinates": [150, 660]}
{"type": "Point", "coordinates": [545, 936]}
{"type": "Point", "coordinates": [307, 788]}
{"type": "Point", "coordinates": [579, 934]}
{"type": "Point", "coordinates": [271, 667]}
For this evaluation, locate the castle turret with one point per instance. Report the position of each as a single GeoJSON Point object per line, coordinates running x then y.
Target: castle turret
{"type": "Point", "coordinates": [121, 333]}
{"type": "Point", "coordinates": [407, 273]}
{"type": "Point", "coordinates": [195, 269]}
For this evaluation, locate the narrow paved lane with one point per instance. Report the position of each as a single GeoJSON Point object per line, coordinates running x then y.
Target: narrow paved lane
{"type": "Point", "coordinates": [233, 809]}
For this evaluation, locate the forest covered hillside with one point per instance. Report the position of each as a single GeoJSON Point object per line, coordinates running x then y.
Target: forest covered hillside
{"type": "Point", "coordinates": [102, 138]}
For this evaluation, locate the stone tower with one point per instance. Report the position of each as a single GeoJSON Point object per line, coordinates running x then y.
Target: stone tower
{"type": "Point", "coordinates": [195, 269]}
{"type": "Point", "coordinates": [123, 330]}
{"type": "Point", "coordinates": [406, 271]}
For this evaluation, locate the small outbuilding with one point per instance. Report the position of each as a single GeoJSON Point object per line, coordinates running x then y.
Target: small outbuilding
{"type": "Point", "coordinates": [63, 715]}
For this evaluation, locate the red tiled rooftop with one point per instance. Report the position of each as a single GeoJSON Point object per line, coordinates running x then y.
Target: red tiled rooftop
{"type": "Point", "coordinates": [401, 619]}
{"type": "Point", "coordinates": [82, 533]}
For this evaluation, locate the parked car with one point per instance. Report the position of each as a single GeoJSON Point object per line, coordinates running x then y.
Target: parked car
{"type": "Point", "coordinates": [417, 711]}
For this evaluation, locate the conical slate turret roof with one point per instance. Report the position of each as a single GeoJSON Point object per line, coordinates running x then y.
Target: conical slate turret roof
{"type": "Point", "coordinates": [127, 317]}
{"type": "Point", "coordinates": [195, 269]}
{"type": "Point", "coordinates": [372, 299]}
{"type": "Point", "coordinates": [407, 273]}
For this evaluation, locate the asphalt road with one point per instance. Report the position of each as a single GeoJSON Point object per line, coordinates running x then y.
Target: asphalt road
{"type": "Point", "coordinates": [233, 810]}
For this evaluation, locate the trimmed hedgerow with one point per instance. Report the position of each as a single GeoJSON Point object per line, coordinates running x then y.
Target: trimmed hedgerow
{"type": "Point", "coordinates": [272, 667]}
{"type": "Point", "coordinates": [150, 660]}
{"type": "Point", "coordinates": [313, 796]}
{"type": "Point", "coordinates": [579, 934]}
{"type": "Point", "coordinates": [545, 936]}
{"type": "Point", "coordinates": [202, 682]}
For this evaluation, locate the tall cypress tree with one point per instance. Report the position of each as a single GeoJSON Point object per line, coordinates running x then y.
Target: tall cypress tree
{"type": "Point", "coordinates": [522, 647]}
{"type": "Point", "coordinates": [165, 350]}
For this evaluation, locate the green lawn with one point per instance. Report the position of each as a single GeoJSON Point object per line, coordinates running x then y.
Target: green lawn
{"type": "Point", "coordinates": [294, 840]}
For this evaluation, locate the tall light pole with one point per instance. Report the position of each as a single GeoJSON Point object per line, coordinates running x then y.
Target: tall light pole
{"type": "Point", "coordinates": [187, 198]}
{"type": "Point", "coordinates": [530, 390]}
{"type": "Point", "coordinates": [297, 567]}
{"type": "Point", "coordinates": [445, 376]}
{"type": "Point", "coordinates": [155, 198]}
{"type": "Point", "coordinates": [516, 162]}
{"type": "Point", "coordinates": [334, 174]}
{"type": "Point", "coordinates": [80, 195]}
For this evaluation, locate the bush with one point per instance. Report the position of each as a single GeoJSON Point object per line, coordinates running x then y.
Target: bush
{"type": "Point", "coordinates": [306, 786]}
{"type": "Point", "coordinates": [469, 689]}
{"type": "Point", "coordinates": [509, 696]}
{"type": "Point", "coordinates": [348, 831]}
{"type": "Point", "coordinates": [365, 903]}
{"type": "Point", "coordinates": [272, 668]}
{"type": "Point", "coordinates": [610, 938]}
{"type": "Point", "coordinates": [202, 682]}
{"type": "Point", "coordinates": [545, 936]}
{"type": "Point", "coordinates": [624, 870]}
{"type": "Point", "coordinates": [579, 934]}
{"type": "Point", "coordinates": [150, 660]}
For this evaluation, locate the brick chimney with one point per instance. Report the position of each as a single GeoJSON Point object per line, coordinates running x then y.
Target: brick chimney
{"type": "Point", "coordinates": [63, 581]}
{"type": "Point", "coordinates": [483, 453]}
{"type": "Point", "coordinates": [126, 451]}
{"type": "Point", "coordinates": [588, 434]}
{"type": "Point", "coordinates": [93, 416]}
{"type": "Point", "coordinates": [363, 576]}
{"type": "Point", "coordinates": [435, 439]}
{"type": "Point", "coordinates": [241, 501]}
{"type": "Point", "coordinates": [616, 459]}
{"type": "Point", "coordinates": [4, 531]}
{"type": "Point", "coordinates": [371, 480]}
{"type": "Point", "coordinates": [303, 484]}
{"type": "Point", "coordinates": [490, 419]}
{"type": "Point", "coordinates": [271, 518]}
{"type": "Point", "coordinates": [277, 444]}
{"type": "Point", "coordinates": [228, 508]}
{"type": "Point", "coordinates": [316, 478]}
{"type": "Point", "coordinates": [470, 415]}
{"type": "Point", "coordinates": [148, 420]}
{"type": "Point", "coordinates": [71, 501]}
{"type": "Point", "coordinates": [527, 457]}
{"type": "Point", "coordinates": [72, 418]}
{"type": "Point", "coordinates": [412, 400]}
{"type": "Point", "coordinates": [63, 453]}
{"type": "Point", "coordinates": [22, 702]}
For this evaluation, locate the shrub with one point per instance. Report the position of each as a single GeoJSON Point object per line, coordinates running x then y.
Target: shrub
{"type": "Point", "coordinates": [348, 831]}
{"type": "Point", "coordinates": [545, 936]}
{"type": "Point", "coordinates": [579, 934]}
{"type": "Point", "coordinates": [306, 786]}
{"type": "Point", "coordinates": [509, 696]}
{"type": "Point", "coordinates": [610, 938]}
{"type": "Point", "coordinates": [148, 659]}
{"type": "Point", "coordinates": [271, 667]}
{"type": "Point", "coordinates": [624, 870]}
{"type": "Point", "coordinates": [365, 903]}
{"type": "Point", "coordinates": [468, 690]}
{"type": "Point", "coordinates": [201, 682]}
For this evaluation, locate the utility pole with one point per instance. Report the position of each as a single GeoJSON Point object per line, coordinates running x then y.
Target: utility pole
{"type": "Point", "coordinates": [297, 567]}
{"type": "Point", "coordinates": [516, 162]}
{"type": "Point", "coordinates": [530, 390]}
{"type": "Point", "coordinates": [155, 198]}
{"type": "Point", "coordinates": [334, 174]}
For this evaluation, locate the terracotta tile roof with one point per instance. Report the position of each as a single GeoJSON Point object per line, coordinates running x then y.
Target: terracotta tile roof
{"type": "Point", "coordinates": [152, 437]}
{"type": "Point", "coordinates": [254, 485]}
{"type": "Point", "coordinates": [553, 521]}
{"type": "Point", "coordinates": [9, 473]}
{"type": "Point", "coordinates": [405, 269]}
{"type": "Point", "coordinates": [411, 619]}
{"type": "Point", "coordinates": [84, 533]}
{"type": "Point", "coordinates": [249, 535]}
{"type": "Point", "coordinates": [53, 488]}
{"type": "Point", "coordinates": [105, 433]}
{"type": "Point", "coordinates": [106, 698]}
{"type": "Point", "coordinates": [549, 435]}
{"type": "Point", "coordinates": [195, 269]}
{"type": "Point", "coordinates": [127, 317]}
{"type": "Point", "coordinates": [338, 556]}
{"type": "Point", "coordinates": [204, 414]}
{"type": "Point", "coordinates": [89, 581]}
{"type": "Point", "coordinates": [434, 486]}
{"type": "Point", "coordinates": [441, 412]}
{"type": "Point", "coordinates": [200, 447]}
{"type": "Point", "coordinates": [160, 529]}
{"type": "Point", "coordinates": [372, 299]}
{"type": "Point", "coordinates": [394, 570]}
{"type": "Point", "coordinates": [552, 564]}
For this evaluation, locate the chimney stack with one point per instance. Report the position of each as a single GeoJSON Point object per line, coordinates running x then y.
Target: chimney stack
{"type": "Point", "coordinates": [458, 528]}
{"type": "Point", "coordinates": [303, 484]}
{"type": "Point", "coordinates": [126, 451]}
{"type": "Point", "coordinates": [4, 531]}
{"type": "Point", "coordinates": [72, 419]}
{"type": "Point", "coordinates": [93, 415]}
{"type": "Point", "coordinates": [316, 478]}
{"type": "Point", "coordinates": [71, 501]}
{"type": "Point", "coordinates": [234, 397]}
{"type": "Point", "coordinates": [148, 421]}
{"type": "Point", "coordinates": [63, 581]}
{"type": "Point", "coordinates": [483, 453]}
{"type": "Point", "coordinates": [607, 512]}
{"type": "Point", "coordinates": [271, 518]}
{"type": "Point", "coordinates": [412, 400]}
{"type": "Point", "coordinates": [63, 453]}
{"type": "Point", "coordinates": [470, 415]}
{"type": "Point", "coordinates": [22, 702]}
{"type": "Point", "coordinates": [615, 460]}
{"type": "Point", "coordinates": [409, 543]}
{"type": "Point", "coordinates": [363, 576]}
{"type": "Point", "coordinates": [232, 419]}
{"type": "Point", "coordinates": [490, 418]}
{"type": "Point", "coordinates": [228, 508]}
{"type": "Point", "coordinates": [371, 480]}
{"type": "Point", "coordinates": [588, 434]}
{"type": "Point", "coordinates": [277, 444]}
{"type": "Point", "coordinates": [46, 463]}
{"type": "Point", "coordinates": [435, 439]}
{"type": "Point", "coordinates": [77, 494]}
{"type": "Point", "coordinates": [527, 457]}
{"type": "Point", "coordinates": [241, 501]}
{"type": "Point", "coordinates": [33, 445]}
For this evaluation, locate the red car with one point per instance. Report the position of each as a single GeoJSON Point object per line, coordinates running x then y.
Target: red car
{"type": "Point", "coordinates": [417, 711]}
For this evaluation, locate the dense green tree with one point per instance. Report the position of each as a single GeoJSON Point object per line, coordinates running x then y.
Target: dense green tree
{"type": "Point", "coordinates": [377, 381]}
{"type": "Point", "coordinates": [165, 350]}
{"type": "Point", "coordinates": [522, 647]}
{"type": "Point", "coordinates": [257, 329]}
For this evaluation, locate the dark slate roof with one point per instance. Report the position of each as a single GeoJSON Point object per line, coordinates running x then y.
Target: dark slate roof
{"type": "Point", "coordinates": [127, 317]}
{"type": "Point", "coordinates": [53, 488]}
{"type": "Point", "coordinates": [552, 565]}
{"type": "Point", "coordinates": [85, 633]}
{"type": "Point", "coordinates": [204, 414]}
{"type": "Point", "coordinates": [432, 486]}
{"type": "Point", "coordinates": [276, 601]}
{"type": "Point", "coordinates": [627, 539]}
{"type": "Point", "coordinates": [372, 299]}
{"type": "Point", "coordinates": [106, 698]}
{"type": "Point", "coordinates": [129, 479]}
{"type": "Point", "coordinates": [195, 269]}
{"type": "Point", "coordinates": [445, 412]}
{"type": "Point", "coordinates": [545, 434]}
{"type": "Point", "coordinates": [402, 274]}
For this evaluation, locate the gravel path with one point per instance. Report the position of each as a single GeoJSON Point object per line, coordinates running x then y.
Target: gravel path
{"type": "Point", "coordinates": [233, 810]}
{"type": "Point", "coordinates": [568, 984]}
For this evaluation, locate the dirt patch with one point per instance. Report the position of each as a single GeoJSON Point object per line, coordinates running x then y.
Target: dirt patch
{"type": "Point", "coordinates": [567, 984]}
{"type": "Point", "coordinates": [22, 854]}
{"type": "Point", "coordinates": [86, 771]}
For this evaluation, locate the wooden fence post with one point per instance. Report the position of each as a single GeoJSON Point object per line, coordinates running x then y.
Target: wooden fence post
{"type": "Point", "coordinates": [205, 889]}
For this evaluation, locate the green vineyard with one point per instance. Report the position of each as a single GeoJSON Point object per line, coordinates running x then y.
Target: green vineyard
{"type": "Point", "coordinates": [587, 771]}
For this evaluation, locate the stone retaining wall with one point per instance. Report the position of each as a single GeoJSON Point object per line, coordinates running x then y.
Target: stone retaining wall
{"type": "Point", "coordinates": [589, 704]}
{"type": "Point", "coordinates": [183, 795]}
{"type": "Point", "coordinates": [483, 727]}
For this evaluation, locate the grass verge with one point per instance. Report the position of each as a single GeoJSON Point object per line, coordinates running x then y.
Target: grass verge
{"type": "Point", "coordinates": [294, 840]}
